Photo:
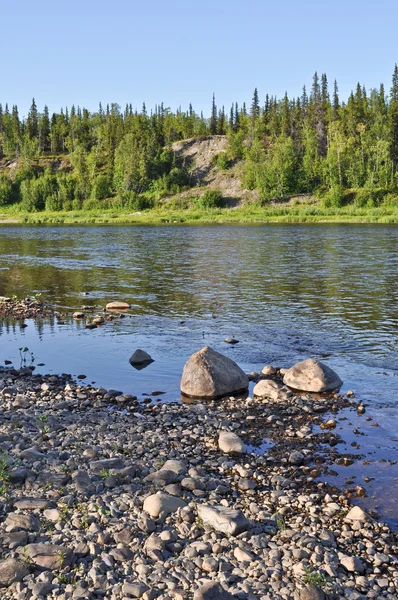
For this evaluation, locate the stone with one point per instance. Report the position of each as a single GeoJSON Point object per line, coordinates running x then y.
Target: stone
{"type": "Point", "coordinates": [52, 514]}
{"type": "Point", "coordinates": [32, 503]}
{"type": "Point", "coordinates": [14, 539]}
{"type": "Point", "coordinates": [225, 520]}
{"type": "Point", "coordinates": [357, 514]}
{"type": "Point", "coordinates": [268, 371]}
{"type": "Point", "coordinates": [178, 466]}
{"type": "Point", "coordinates": [123, 554]}
{"type": "Point", "coordinates": [32, 454]}
{"type": "Point", "coordinates": [296, 458]}
{"type": "Point", "coordinates": [161, 477]}
{"type": "Point", "coordinates": [230, 443]}
{"type": "Point", "coordinates": [11, 571]}
{"type": "Point", "coordinates": [117, 306]}
{"type": "Point", "coordinates": [243, 556]}
{"type": "Point", "coordinates": [136, 590]}
{"type": "Point", "coordinates": [269, 389]}
{"type": "Point", "coordinates": [312, 376]}
{"type": "Point", "coordinates": [231, 340]}
{"type": "Point", "coordinates": [161, 503]}
{"type": "Point", "coordinates": [139, 357]}
{"type": "Point", "coordinates": [312, 592]}
{"type": "Point", "coordinates": [15, 521]}
{"type": "Point", "coordinates": [353, 564]}
{"type": "Point", "coordinates": [78, 315]}
{"type": "Point", "coordinates": [106, 464]}
{"type": "Point", "coordinates": [209, 374]}
{"type": "Point", "coordinates": [48, 556]}
{"type": "Point", "coordinates": [211, 590]}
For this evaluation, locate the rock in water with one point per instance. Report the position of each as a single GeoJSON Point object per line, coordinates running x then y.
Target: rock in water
{"type": "Point", "coordinates": [139, 357]}
{"type": "Point", "coordinates": [209, 374]}
{"type": "Point", "coordinates": [312, 376]}
{"type": "Point", "coordinates": [117, 306]}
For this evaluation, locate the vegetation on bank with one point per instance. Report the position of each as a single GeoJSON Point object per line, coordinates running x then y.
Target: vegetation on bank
{"type": "Point", "coordinates": [247, 214]}
{"type": "Point", "coordinates": [114, 164]}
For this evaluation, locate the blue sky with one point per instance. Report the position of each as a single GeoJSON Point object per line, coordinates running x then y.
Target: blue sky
{"type": "Point", "coordinates": [86, 51]}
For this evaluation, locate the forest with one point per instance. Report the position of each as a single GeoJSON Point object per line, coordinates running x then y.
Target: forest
{"type": "Point", "coordinates": [340, 151]}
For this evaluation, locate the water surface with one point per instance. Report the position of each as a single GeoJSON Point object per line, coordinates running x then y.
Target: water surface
{"type": "Point", "coordinates": [287, 292]}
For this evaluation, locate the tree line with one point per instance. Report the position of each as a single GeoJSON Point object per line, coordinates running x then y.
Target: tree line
{"type": "Point", "coordinates": [315, 143]}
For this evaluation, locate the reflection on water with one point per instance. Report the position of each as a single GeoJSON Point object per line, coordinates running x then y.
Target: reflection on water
{"type": "Point", "coordinates": [287, 292]}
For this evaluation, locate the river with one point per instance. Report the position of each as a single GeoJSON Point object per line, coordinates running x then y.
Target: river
{"type": "Point", "coordinates": [286, 292]}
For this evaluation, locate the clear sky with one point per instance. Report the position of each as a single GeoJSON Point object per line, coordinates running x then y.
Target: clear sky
{"type": "Point", "coordinates": [181, 51]}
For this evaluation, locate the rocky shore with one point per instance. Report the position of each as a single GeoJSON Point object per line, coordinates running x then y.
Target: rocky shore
{"type": "Point", "coordinates": [102, 496]}
{"type": "Point", "coordinates": [27, 308]}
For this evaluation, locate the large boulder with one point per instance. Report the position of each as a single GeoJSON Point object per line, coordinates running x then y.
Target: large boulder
{"type": "Point", "coordinates": [312, 376]}
{"type": "Point", "coordinates": [209, 374]}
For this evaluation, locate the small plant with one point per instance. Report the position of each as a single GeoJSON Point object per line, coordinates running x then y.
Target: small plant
{"type": "Point", "coordinates": [26, 356]}
{"type": "Point", "coordinates": [105, 473]}
{"type": "Point", "coordinates": [315, 578]}
{"type": "Point", "coordinates": [25, 557]}
{"type": "Point", "coordinates": [63, 512]}
{"type": "Point", "coordinates": [60, 559]}
{"type": "Point", "coordinates": [4, 475]}
{"type": "Point", "coordinates": [280, 522]}
{"type": "Point", "coordinates": [62, 578]}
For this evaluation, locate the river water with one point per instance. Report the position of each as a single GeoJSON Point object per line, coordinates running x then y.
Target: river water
{"type": "Point", "coordinates": [286, 292]}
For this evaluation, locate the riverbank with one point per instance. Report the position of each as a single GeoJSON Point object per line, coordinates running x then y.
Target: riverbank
{"type": "Point", "coordinates": [80, 519]}
{"type": "Point", "coordinates": [243, 214]}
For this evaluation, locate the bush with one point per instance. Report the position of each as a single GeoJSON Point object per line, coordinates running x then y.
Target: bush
{"type": "Point", "coordinates": [101, 188]}
{"type": "Point", "coordinates": [8, 193]}
{"type": "Point", "coordinates": [334, 197]}
{"type": "Point", "coordinates": [369, 197]}
{"type": "Point", "coordinates": [221, 160]}
{"type": "Point", "coordinates": [211, 199]}
{"type": "Point", "coordinates": [132, 201]}
{"type": "Point", "coordinates": [31, 195]}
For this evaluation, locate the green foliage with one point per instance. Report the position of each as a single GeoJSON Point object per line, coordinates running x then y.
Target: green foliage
{"type": "Point", "coordinates": [211, 199]}
{"type": "Point", "coordinates": [7, 190]}
{"type": "Point", "coordinates": [118, 159]}
{"type": "Point", "coordinates": [221, 160]}
{"type": "Point", "coordinates": [131, 201]}
{"type": "Point", "coordinates": [4, 475]}
{"type": "Point", "coordinates": [334, 197]}
{"type": "Point", "coordinates": [316, 578]}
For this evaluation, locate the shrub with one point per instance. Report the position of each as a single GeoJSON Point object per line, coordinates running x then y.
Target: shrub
{"type": "Point", "coordinates": [8, 193]}
{"type": "Point", "coordinates": [211, 199]}
{"type": "Point", "coordinates": [334, 197]}
{"type": "Point", "coordinates": [132, 201]}
{"type": "Point", "coordinates": [101, 188]}
{"type": "Point", "coordinates": [221, 160]}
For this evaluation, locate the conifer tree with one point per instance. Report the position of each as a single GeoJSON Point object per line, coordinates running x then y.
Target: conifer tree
{"type": "Point", "coordinates": [213, 118]}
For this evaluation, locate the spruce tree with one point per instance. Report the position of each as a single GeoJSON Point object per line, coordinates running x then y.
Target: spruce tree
{"type": "Point", "coordinates": [393, 119]}
{"type": "Point", "coordinates": [213, 118]}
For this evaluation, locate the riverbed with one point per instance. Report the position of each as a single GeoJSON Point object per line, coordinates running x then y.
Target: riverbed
{"type": "Point", "coordinates": [286, 292]}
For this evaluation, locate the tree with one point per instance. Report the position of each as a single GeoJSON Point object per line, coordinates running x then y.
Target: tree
{"type": "Point", "coordinates": [213, 118]}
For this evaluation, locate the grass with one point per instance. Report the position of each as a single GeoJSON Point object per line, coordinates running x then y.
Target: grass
{"type": "Point", "coordinates": [250, 214]}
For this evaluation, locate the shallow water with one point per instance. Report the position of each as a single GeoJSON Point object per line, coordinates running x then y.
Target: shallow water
{"type": "Point", "coordinates": [286, 292]}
